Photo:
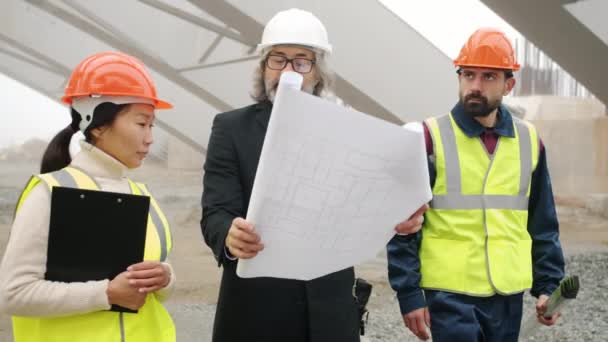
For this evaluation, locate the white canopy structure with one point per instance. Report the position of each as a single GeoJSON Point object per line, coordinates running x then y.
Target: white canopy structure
{"type": "Point", "coordinates": [202, 53]}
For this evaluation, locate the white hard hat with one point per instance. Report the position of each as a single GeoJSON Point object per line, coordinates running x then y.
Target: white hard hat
{"type": "Point", "coordinates": [297, 27]}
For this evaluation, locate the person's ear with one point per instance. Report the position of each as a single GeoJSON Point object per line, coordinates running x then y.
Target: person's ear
{"type": "Point", "coordinates": [510, 83]}
{"type": "Point", "coordinates": [97, 132]}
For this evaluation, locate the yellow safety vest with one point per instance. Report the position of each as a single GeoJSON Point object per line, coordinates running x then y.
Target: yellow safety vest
{"type": "Point", "coordinates": [475, 239]}
{"type": "Point", "coordinates": [151, 323]}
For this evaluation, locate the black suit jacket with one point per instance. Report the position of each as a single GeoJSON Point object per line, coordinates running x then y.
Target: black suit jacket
{"type": "Point", "coordinates": [263, 309]}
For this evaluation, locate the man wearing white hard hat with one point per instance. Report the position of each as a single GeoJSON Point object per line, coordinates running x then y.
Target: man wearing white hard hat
{"type": "Point", "coordinates": [270, 309]}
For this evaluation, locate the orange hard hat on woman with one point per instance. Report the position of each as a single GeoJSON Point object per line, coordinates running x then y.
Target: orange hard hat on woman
{"type": "Point", "coordinates": [109, 77]}
{"type": "Point", "coordinates": [112, 74]}
{"type": "Point", "coordinates": [488, 48]}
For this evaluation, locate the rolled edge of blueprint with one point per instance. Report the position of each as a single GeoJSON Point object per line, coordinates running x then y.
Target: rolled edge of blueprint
{"type": "Point", "coordinates": [292, 80]}
{"type": "Point", "coordinates": [565, 292]}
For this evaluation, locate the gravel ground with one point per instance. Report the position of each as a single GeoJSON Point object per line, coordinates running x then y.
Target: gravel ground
{"type": "Point", "coordinates": [584, 319]}
{"type": "Point", "coordinates": [193, 322]}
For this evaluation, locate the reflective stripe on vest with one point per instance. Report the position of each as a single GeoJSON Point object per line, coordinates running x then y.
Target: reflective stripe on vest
{"type": "Point", "coordinates": [151, 323]}
{"type": "Point", "coordinates": [454, 199]}
{"type": "Point", "coordinates": [475, 238]}
{"type": "Point", "coordinates": [157, 219]}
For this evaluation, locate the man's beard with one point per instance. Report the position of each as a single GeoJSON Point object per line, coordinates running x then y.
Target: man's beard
{"type": "Point", "coordinates": [482, 108]}
{"type": "Point", "coordinates": [270, 86]}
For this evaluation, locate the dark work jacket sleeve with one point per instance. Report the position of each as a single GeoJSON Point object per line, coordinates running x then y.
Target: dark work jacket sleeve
{"type": "Point", "coordinates": [547, 255]}
{"type": "Point", "coordinates": [404, 271]}
{"type": "Point", "coordinates": [404, 265]}
{"type": "Point", "coordinates": [222, 199]}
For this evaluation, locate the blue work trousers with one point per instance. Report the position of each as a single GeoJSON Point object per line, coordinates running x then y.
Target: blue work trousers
{"type": "Point", "coordinates": [457, 317]}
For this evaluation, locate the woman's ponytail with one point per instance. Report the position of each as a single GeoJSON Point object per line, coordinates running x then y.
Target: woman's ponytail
{"type": "Point", "coordinates": [57, 153]}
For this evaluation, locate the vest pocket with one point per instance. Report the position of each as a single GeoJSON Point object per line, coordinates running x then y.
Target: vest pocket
{"type": "Point", "coordinates": [444, 263]}
{"type": "Point", "coordinates": [510, 265]}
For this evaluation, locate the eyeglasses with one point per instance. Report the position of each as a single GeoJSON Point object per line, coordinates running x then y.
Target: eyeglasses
{"type": "Point", "coordinates": [301, 65]}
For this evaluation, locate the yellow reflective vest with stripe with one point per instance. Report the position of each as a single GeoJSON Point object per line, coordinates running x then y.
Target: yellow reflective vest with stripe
{"type": "Point", "coordinates": [151, 323]}
{"type": "Point", "coordinates": [475, 239]}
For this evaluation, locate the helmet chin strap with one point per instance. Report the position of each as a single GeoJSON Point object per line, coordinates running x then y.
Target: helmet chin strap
{"type": "Point", "coordinates": [85, 106]}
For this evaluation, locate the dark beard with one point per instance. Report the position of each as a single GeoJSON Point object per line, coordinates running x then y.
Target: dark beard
{"type": "Point", "coordinates": [478, 109]}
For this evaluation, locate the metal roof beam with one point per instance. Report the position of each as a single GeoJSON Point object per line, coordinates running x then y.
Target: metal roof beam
{"type": "Point", "coordinates": [97, 20]}
{"type": "Point", "coordinates": [211, 65]}
{"type": "Point", "coordinates": [34, 85]}
{"type": "Point", "coordinates": [121, 42]}
{"type": "Point", "coordinates": [569, 42]}
{"type": "Point", "coordinates": [30, 61]}
{"type": "Point", "coordinates": [48, 63]}
{"type": "Point", "coordinates": [249, 29]}
{"type": "Point", "coordinates": [210, 49]}
{"type": "Point", "coordinates": [193, 19]}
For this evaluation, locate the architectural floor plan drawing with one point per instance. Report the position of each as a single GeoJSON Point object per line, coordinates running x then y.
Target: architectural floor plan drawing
{"type": "Point", "coordinates": [331, 185]}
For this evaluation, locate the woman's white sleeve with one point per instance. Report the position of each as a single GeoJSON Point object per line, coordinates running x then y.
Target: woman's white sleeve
{"type": "Point", "coordinates": [23, 289]}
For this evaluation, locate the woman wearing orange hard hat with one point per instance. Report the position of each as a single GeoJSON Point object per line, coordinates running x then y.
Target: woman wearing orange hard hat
{"type": "Point", "coordinates": [112, 100]}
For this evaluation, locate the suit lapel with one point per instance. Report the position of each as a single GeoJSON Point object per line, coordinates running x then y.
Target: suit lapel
{"type": "Point", "coordinates": [263, 110]}
{"type": "Point", "coordinates": [254, 141]}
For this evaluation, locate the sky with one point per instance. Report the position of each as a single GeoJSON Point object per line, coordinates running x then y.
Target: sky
{"type": "Point", "coordinates": [28, 114]}
{"type": "Point", "coordinates": [446, 23]}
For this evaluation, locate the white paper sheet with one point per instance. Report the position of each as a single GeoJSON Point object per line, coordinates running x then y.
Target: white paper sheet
{"type": "Point", "coordinates": [331, 185]}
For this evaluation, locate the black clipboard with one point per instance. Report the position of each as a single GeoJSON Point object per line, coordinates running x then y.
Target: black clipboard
{"type": "Point", "coordinates": [95, 235]}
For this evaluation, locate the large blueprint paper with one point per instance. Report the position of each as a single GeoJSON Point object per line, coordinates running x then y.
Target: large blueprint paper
{"type": "Point", "coordinates": [331, 185]}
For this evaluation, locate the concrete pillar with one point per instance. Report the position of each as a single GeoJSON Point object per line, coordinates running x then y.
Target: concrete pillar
{"type": "Point", "coordinates": [577, 153]}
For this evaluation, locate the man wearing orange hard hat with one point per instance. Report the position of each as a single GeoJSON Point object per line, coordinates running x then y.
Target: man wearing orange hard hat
{"type": "Point", "coordinates": [491, 232]}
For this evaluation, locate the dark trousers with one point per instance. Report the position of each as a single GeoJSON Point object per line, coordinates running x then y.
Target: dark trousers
{"type": "Point", "coordinates": [283, 310]}
{"type": "Point", "coordinates": [457, 317]}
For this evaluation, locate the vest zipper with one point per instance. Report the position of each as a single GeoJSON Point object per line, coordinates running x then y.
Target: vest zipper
{"type": "Point", "coordinates": [122, 327]}
{"type": "Point", "coordinates": [483, 202]}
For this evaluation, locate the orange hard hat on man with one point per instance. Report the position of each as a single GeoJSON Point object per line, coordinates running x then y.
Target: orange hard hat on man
{"type": "Point", "coordinates": [488, 48]}
{"type": "Point", "coordinates": [112, 74]}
